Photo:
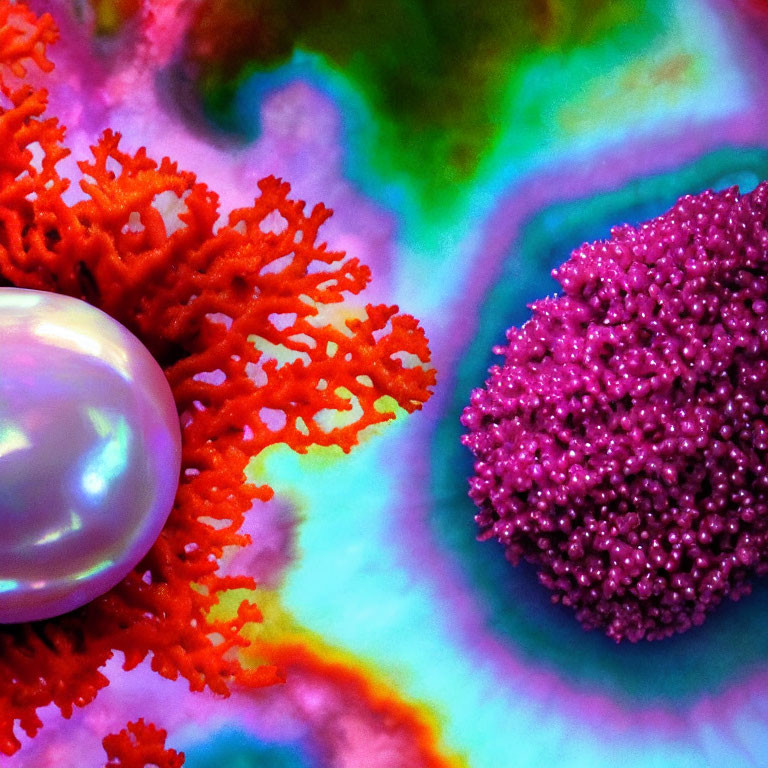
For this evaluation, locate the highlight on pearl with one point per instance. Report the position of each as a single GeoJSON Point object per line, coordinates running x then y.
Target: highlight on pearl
{"type": "Point", "coordinates": [90, 453]}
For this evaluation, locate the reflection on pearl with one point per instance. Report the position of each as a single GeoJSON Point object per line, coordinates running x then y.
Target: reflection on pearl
{"type": "Point", "coordinates": [90, 453]}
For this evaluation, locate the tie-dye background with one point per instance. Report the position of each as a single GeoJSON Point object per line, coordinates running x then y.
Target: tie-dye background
{"type": "Point", "coordinates": [466, 148]}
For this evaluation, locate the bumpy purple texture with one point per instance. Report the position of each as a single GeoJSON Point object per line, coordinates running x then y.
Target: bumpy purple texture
{"type": "Point", "coordinates": [621, 447]}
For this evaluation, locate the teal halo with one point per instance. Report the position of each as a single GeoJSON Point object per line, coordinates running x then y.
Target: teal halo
{"type": "Point", "coordinates": [517, 609]}
{"type": "Point", "coordinates": [235, 748]}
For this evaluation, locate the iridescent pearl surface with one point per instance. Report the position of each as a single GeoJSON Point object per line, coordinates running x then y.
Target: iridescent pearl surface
{"type": "Point", "coordinates": [90, 453]}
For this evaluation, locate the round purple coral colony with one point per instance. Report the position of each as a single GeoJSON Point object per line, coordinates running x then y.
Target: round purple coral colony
{"type": "Point", "coordinates": [622, 446]}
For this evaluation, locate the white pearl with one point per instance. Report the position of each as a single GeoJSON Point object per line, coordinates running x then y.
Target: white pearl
{"type": "Point", "coordinates": [90, 453]}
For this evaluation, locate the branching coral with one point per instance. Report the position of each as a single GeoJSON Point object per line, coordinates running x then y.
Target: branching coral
{"type": "Point", "coordinates": [621, 447]}
{"type": "Point", "coordinates": [239, 314]}
{"type": "Point", "coordinates": [139, 745]}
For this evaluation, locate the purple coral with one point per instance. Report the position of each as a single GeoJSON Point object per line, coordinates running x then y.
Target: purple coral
{"type": "Point", "coordinates": [621, 447]}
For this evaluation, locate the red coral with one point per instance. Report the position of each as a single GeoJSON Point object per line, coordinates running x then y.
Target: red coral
{"type": "Point", "coordinates": [198, 293]}
{"type": "Point", "coordinates": [139, 745]}
{"type": "Point", "coordinates": [23, 40]}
